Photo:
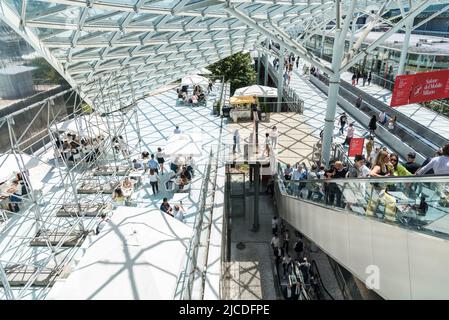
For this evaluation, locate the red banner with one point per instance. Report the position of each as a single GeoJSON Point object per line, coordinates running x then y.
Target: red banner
{"type": "Point", "coordinates": [420, 87]}
{"type": "Point", "coordinates": [356, 147]}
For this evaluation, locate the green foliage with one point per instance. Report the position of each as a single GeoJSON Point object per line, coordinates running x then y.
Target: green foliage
{"type": "Point", "coordinates": [45, 73]}
{"type": "Point", "coordinates": [237, 69]}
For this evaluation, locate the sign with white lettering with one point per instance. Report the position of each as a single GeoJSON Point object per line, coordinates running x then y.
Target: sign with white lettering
{"type": "Point", "coordinates": [420, 87]}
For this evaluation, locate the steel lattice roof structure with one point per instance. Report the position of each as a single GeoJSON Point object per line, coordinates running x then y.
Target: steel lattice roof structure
{"type": "Point", "coordinates": [135, 46]}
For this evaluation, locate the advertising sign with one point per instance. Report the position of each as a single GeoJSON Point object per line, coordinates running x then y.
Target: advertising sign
{"type": "Point", "coordinates": [356, 147]}
{"type": "Point", "coordinates": [420, 87]}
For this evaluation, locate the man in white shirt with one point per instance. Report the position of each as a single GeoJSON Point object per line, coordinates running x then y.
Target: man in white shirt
{"type": "Point", "coordinates": [179, 212]}
{"type": "Point", "coordinates": [440, 165]}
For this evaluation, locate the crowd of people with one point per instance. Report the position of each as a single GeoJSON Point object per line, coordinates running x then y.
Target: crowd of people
{"type": "Point", "coordinates": [378, 163]}
{"type": "Point", "coordinates": [197, 97]}
{"type": "Point", "coordinates": [72, 147]}
{"type": "Point", "coordinates": [293, 269]}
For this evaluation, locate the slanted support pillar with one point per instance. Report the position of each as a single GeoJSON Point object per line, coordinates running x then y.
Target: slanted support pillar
{"type": "Point", "coordinates": [334, 83]}
{"type": "Point", "coordinates": [258, 66]}
{"type": "Point", "coordinates": [280, 78]}
{"type": "Point", "coordinates": [255, 227]}
{"type": "Point", "coordinates": [404, 50]}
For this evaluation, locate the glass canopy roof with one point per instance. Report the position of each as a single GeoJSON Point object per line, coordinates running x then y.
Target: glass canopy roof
{"type": "Point", "coordinates": [127, 48]}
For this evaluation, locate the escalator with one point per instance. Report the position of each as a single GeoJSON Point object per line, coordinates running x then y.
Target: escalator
{"type": "Point", "coordinates": [381, 232]}
{"type": "Point", "coordinates": [407, 131]}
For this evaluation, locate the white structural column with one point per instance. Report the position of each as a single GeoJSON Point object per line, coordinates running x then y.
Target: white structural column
{"type": "Point", "coordinates": [265, 75]}
{"type": "Point", "coordinates": [280, 78]}
{"type": "Point", "coordinates": [334, 81]}
{"type": "Point", "coordinates": [404, 50]}
{"type": "Point", "coordinates": [405, 44]}
{"type": "Point", "coordinates": [258, 65]}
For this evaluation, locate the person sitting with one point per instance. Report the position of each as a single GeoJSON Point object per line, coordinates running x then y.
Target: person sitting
{"type": "Point", "coordinates": [182, 181]}
{"type": "Point", "coordinates": [127, 184]}
{"type": "Point", "coordinates": [16, 196]}
{"type": "Point", "coordinates": [194, 99]}
{"type": "Point", "coordinates": [118, 196]}
{"type": "Point", "coordinates": [186, 173]}
{"type": "Point", "coordinates": [179, 212]}
{"type": "Point", "coordinates": [137, 165]}
{"type": "Point", "coordinates": [166, 208]}
{"type": "Point", "coordinates": [102, 223]}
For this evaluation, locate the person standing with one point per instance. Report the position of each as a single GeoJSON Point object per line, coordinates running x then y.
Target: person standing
{"type": "Point", "coordinates": [274, 137]}
{"type": "Point", "coordinates": [210, 86]}
{"type": "Point", "coordinates": [343, 120]}
{"type": "Point", "coordinates": [358, 102]}
{"type": "Point", "coordinates": [382, 117]}
{"type": "Point", "coordinates": [372, 125]}
{"type": "Point", "coordinates": [439, 165]}
{"type": "Point", "coordinates": [349, 134]}
{"type": "Point", "coordinates": [297, 62]}
{"type": "Point", "coordinates": [369, 147]}
{"type": "Point", "coordinates": [365, 77]}
{"type": "Point", "coordinates": [411, 165]}
{"type": "Point", "coordinates": [299, 248]}
{"type": "Point", "coordinates": [392, 123]}
{"type": "Point", "coordinates": [361, 170]}
{"type": "Point", "coordinates": [236, 140]}
{"type": "Point", "coordinates": [358, 77]}
{"type": "Point", "coordinates": [160, 159]}
{"type": "Point", "coordinates": [286, 241]}
{"type": "Point", "coordinates": [153, 164]}
{"type": "Point", "coordinates": [274, 225]}
{"type": "Point", "coordinates": [354, 77]}
{"type": "Point", "coordinates": [177, 130]}
{"type": "Point", "coordinates": [369, 78]}
{"type": "Point", "coordinates": [154, 181]}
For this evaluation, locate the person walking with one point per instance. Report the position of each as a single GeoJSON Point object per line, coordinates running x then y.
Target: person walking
{"type": "Point", "coordinates": [358, 102]}
{"type": "Point", "coordinates": [372, 126]}
{"type": "Point", "coordinates": [343, 120]}
{"type": "Point", "coordinates": [236, 140]}
{"type": "Point", "coordinates": [154, 181]}
{"type": "Point", "coordinates": [369, 78]}
{"type": "Point", "coordinates": [274, 225]}
{"type": "Point", "coordinates": [365, 77]}
{"type": "Point", "coordinates": [358, 77]}
{"type": "Point", "coordinates": [160, 159]}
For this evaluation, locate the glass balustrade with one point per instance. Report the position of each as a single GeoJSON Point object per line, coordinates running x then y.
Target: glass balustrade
{"type": "Point", "coordinates": [417, 202]}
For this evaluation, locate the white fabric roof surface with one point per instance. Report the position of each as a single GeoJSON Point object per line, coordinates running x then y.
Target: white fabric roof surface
{"type": "Point", "coordinates": [37, 170]}
{"type": "Point", "coordinates": [256, 91]}
{"type": "Point", "coordinates": [139, 254]}
{"type": "Point", "coordinates": [184, 144]}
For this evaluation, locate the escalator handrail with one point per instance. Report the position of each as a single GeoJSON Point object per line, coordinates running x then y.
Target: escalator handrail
{"type": "Point", "coordinates": [314, 264]}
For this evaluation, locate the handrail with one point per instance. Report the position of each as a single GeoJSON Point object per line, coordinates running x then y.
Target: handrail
{"type": "Point", "coordinates": [314, 264]}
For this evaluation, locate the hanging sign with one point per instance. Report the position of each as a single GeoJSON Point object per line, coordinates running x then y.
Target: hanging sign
{"type": "Point", "coordinates": [420, 87]}
{"type": "Point", "coordinates": [356, 146]}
